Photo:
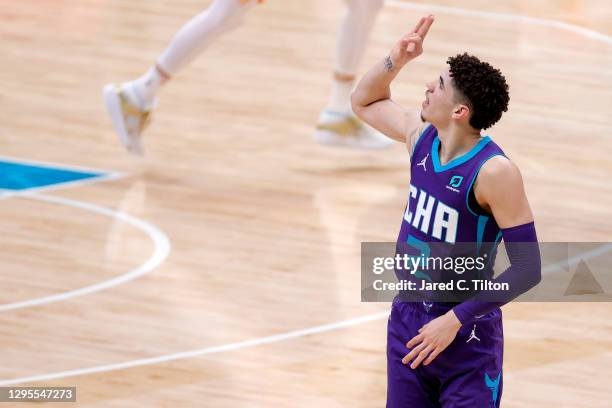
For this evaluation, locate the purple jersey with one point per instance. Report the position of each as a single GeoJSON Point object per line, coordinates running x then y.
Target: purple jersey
{"type": "Point", "coordinates": [440, 207]}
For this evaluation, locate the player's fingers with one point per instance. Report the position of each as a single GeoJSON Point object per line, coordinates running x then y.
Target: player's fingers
{"type": "Point", "coordinates": [414, 341]}
{"type": "Point", "coordinates": [423, 328]}
{"type": "Point", "coordinates": [411, 36]}
{"type": "Point", "coordinates": [432, 356]}
{"type": "Point", "coordinates": [418, 26]}
{"type": "Point", "coordinates": [414, 37]}
{"type": "Point", "coordinates": [413, 43]}
{"type": "Point", "coordinates": [413, 353]}
{"type": "Point", "coordinates": [424, 353]}
{"type": "Point", "coordinates": [424, 28]}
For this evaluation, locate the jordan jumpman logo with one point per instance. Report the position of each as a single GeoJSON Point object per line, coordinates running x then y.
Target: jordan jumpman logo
{"type": "Point", "coordinates": [473, 335]}
{"type": "Point", "coordinates": [422, 162]}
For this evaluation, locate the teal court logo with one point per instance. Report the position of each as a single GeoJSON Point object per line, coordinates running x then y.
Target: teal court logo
{"type": "Point", "coordinates": [454, 183]}
{"type": "Point", "coordinates": [18, 176]}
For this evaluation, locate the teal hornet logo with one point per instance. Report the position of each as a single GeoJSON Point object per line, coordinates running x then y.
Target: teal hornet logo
{"type": "Point", "coordinates": [455, 181]}
{"type": "Point", "coordinates": [493, 386]}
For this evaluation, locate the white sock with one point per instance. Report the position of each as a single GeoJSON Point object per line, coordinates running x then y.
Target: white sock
{"type": "Point", "coordinates": [147, 85]}
{"type": "Point", "coordinates": [193, 37]}
{"type": "Point", "coordinates": [220, 17]}
{"type": "Point", "coordinates": [340, 99]}
{"type": "Point", "coordinates": [354, 32]}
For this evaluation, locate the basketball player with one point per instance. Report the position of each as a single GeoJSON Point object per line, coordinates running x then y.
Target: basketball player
{"type": "Point", "coordinates": [462, 189]}
{"type": "Point", "coordinates": [130, 104]}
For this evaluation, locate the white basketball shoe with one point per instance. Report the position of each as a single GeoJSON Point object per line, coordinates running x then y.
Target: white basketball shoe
{"type": "Point", "coordinates": [129, 116]}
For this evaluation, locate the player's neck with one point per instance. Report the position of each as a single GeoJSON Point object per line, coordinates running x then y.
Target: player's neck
{"type": "Point", "coordinates": [456, 141]}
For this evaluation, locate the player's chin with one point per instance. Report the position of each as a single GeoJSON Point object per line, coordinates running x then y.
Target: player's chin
{"type": "Point", "coordinates": [423, 116]}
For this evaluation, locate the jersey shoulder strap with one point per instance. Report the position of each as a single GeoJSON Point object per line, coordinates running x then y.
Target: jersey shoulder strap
{"type": "Point", "coordinates": [491, 150]}
{"type": "Point", "coordinates": [424, 141]}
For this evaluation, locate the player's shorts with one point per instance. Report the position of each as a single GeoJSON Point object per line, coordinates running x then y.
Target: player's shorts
{"type": "Point", "coordinates": [467, 374]}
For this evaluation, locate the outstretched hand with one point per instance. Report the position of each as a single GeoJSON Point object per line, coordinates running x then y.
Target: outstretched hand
{"type": "Point", "coordinates": [410, 45]}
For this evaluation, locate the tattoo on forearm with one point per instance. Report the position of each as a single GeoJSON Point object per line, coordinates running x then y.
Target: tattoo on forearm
{"type": "Point", "coordinates": [388, 63]}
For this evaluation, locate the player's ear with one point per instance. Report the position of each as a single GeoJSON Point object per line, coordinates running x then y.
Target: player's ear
{"type": "Point", "coordinates": [461, 111]}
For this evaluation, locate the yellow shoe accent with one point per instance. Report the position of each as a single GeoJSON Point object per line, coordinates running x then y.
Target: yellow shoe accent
{"type": "Point", "coordinates": [143, 117]}
{"type": "Point", "coordinates": [344, 126]}
{"type": "Point", "coordinates": [129, 119]}
{"type": "Point", "coordinates": [345, 129]}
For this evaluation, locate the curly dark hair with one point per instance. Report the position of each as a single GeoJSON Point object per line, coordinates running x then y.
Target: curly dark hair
{"type": "Point", "coordinates": [482, 87]}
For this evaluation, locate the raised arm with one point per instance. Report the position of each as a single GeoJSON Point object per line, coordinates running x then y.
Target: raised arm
{"type": "Point", "coordinates": [371, 100]}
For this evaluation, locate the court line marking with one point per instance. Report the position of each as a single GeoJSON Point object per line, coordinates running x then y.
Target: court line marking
{"type": "Point", "coordinates": [344, 323]}
{"type": "Point", "coordinates": [256, 341]}
{"type": "Point", "coordinates": [160, 240]}
{"type": "Point", "coordinates": [201, 352]}
{"type": "Point", "coordinates": [503, 17]}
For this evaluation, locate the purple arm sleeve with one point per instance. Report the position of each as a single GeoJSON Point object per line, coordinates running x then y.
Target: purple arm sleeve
{"type": "Point", "coordinates": [524, 273]}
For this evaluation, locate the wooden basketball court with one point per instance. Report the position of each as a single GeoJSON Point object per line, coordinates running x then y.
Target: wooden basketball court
{"type": "Point", "coordinates": [222, 269]}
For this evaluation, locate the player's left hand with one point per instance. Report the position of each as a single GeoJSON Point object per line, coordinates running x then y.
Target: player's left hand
{"type": "Point", "coordinates": [432, 339]}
